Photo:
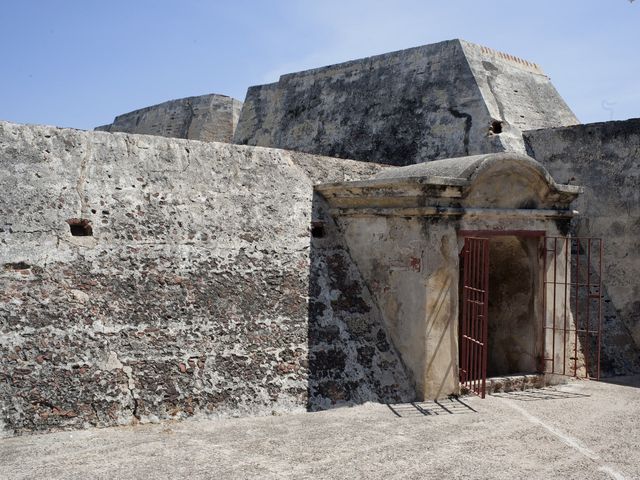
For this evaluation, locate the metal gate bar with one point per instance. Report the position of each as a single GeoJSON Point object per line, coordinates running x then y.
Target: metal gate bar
{"type": "Point", "coordinates": [576, 265]}
{"type": "Point", "coordinates": [473, 325]}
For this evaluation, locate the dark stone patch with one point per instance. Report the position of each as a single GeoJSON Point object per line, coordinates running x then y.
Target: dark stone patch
{"type": "Point", "coordinates": [349, 352]}
{"type": "Point", "coordinates": [17, 266]}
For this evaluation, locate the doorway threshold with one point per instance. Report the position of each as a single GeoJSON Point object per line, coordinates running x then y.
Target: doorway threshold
{"type": "Point", "coordinates": [523, 381]}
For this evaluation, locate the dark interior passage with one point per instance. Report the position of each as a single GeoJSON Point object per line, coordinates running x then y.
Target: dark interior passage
{"type": "Point", "coordinates": [513, 263]}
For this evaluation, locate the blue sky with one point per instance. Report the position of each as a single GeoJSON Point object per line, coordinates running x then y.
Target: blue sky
{"type": "Point", "coordinates": [78, 63]}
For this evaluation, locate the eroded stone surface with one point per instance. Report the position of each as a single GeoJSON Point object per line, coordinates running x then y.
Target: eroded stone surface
{"type": "Point", "coordinates": [443, 100]}
{"type": "Point", "coordinates": [605, 159]}
{"type": "Point", "coordinates": [405, 230]}
{"type": "Point", "coordinates": [191, 296]}
{"type": "Point", "coordinates": [210, 118]}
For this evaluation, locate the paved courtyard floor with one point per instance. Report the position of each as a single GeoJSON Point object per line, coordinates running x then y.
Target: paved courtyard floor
{"type": "Point", "coordinates": [582, 430]}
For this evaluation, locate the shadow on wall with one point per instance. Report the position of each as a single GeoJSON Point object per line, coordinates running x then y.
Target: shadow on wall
{"type": "Point", "coordinates": [442, 345]}
{"type": "Point", "coordinates": [351, 358]}
{"type": "Point", "coordinates": [618, 353]}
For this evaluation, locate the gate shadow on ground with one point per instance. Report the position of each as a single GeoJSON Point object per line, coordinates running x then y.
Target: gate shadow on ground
{"type": "Point", "coordinates": [451, 406]}
{"type": "Point", "coordinates": [537, 394]}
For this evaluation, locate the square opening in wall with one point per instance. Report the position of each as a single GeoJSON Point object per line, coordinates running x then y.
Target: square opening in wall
{"type": "Point", "coordinates": [80, 227]}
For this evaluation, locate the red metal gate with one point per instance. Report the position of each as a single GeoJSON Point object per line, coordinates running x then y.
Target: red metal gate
{"type": "Point", "coordinates": [473, 323]}
{"type": "Point", "coordinates": [572, 306]}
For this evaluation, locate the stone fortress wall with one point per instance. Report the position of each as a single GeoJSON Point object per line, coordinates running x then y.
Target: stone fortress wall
{"type": "Point", "coordinates": [605, 159]}
{"type": "Point", "coordinates": [445, 100]}
{"type": "Point", "coordinates": [192, 284]}
{"type": "Point", "coordinates": [146, 277]}
{"type": "Point", "coordinates": [455, 98]}
{"type": "Point", "coordinates": [210, 118]}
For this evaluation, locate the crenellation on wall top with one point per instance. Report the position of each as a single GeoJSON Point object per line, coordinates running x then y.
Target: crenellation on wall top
{"type": "Point", "coordinates": [510, 58]}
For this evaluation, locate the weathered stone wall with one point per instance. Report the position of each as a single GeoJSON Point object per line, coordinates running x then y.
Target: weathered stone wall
{"type": "Point", "coordinates": [200, 290]}
{"type": "Point", "coordinates": [605, 159]}
{"type": "Point", "coordinates": [517, 93]}
{"type": "Point", "coordinates": [444, 100]}
{"type": "Point", "coordinates": [210, 118]}
{"type": "Point", "coordinates": [403, 231]}
{"type": "Point", "coordinates": [351, 353]}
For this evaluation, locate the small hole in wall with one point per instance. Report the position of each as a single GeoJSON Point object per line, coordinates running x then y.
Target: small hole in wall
{"type": "Point", "coordinates": [17, 266]}
{"type": "Point", "coordinates": [496, 127]}
{"type": "Point", "coordinates": [317, 229]}
{"type": "Point", "coordinates": [80, 227]}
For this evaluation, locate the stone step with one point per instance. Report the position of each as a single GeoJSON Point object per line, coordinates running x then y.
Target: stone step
{"type": "Point", "coordinates": [519, 382]}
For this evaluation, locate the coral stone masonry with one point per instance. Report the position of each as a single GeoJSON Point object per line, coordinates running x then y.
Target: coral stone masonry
{"type": "Point", "coordinates": [210, 118]}
{"type": "Point", "coordinates": [444, 100]}
{"type": "Point", "coordinates": [396, 228]}
{"type": "Point", "coordinates": [199, 291]}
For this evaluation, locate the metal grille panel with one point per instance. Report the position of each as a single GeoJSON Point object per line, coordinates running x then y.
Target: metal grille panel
{"type": "Point", "coordinates": [473, 322]}
{"type": "Point", "coordinates": [572, 306]}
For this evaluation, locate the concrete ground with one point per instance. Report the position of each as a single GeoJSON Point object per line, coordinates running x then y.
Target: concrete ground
{"type": "Point", "coordinates": [583, 430]}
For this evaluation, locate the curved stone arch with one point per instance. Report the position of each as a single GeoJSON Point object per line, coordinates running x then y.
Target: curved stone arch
{"type": "Point", "coordinates": [510, 181]}
{"type": "Point", "coordinates": [496, 180]}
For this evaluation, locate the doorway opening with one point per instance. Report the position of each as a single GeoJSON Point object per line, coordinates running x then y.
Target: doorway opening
{"type": "Point", "coordinates": [513, 310]}
{"type": "Point", "coordinates": [501, 301]}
